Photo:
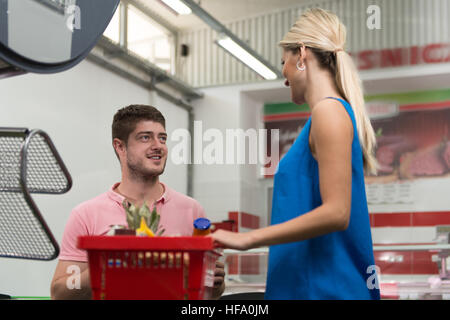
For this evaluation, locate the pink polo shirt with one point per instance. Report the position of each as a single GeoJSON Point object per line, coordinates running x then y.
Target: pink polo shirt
{"type": "Point", "coordinates": [95, 216]}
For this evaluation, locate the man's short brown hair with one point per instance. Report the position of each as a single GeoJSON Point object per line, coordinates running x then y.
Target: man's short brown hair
{"type": "Point", "coordinates": [126, 119]}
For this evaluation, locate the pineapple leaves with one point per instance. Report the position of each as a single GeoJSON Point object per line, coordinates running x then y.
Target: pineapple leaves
{"type": "Point", "coordinates": [135, 214]}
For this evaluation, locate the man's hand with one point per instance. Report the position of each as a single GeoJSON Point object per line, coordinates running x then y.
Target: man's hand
{"type": "Point", "coordinates": [219, 280]}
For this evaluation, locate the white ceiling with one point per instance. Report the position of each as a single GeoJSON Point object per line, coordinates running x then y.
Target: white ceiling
{"type": "Point", "coordinates": [222, 10]}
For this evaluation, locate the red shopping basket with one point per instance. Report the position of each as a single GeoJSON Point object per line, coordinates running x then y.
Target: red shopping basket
{"type": "Point", "coordinates": [160, 268]}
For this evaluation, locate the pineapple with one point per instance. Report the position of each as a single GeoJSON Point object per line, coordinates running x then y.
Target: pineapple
{"type": "Point", "coordinates": [139, 218]}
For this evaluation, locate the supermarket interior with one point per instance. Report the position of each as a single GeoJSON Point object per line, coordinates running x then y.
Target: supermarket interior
{"type": "Point", "coordinates": [214, 71]}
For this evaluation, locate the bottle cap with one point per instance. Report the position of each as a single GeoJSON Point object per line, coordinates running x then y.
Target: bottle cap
{"type": "Point", "coordinates": [202, 224]}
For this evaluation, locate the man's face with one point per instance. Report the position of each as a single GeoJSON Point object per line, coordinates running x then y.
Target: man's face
{"type": "Point", "coordinates": [146, 151]}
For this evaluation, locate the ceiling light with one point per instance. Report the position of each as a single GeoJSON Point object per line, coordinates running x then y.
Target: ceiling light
{"type": "Point", "coordinates": [178, 6]}
{"type": "Point", "coordinates": [240, 53]}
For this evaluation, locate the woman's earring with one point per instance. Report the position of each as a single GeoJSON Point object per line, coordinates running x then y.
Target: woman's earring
{"type": "Point", "coordinates": [302, 67]}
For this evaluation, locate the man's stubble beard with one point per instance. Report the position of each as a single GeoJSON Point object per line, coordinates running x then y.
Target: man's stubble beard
{"type": "Point", "coordinates": [138, 172]}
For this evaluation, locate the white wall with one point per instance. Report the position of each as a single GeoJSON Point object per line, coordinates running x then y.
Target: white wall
{"type": "Point", "coordinates": [253, 184]}
{"type": "Point", "coordinates": [216, 186]}
{"type": "Point", "coordinates": [75, 108]}
{"type": "Point", "coordinates": [233, 187]}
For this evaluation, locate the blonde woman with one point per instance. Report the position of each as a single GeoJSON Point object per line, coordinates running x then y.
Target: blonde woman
{"type": "Point", "coordinates": [320, 239]}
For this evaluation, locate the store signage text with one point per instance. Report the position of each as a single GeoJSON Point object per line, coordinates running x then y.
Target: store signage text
{"type": "Point", "coordinates": [388, 58]}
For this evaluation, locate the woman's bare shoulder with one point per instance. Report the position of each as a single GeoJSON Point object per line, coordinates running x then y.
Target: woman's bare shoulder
{"type": "Point", "coordinates": [329, 117]}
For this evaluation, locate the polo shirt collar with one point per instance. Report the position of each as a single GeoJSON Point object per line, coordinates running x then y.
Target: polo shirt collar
{"type": "Point", "coordinates": [119, 198]}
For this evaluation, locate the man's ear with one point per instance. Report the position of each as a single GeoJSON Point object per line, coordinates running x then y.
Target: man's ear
{"type": "Point", "coordinates": [119, 146]}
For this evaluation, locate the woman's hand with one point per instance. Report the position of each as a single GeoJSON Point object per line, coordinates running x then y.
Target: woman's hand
{"type": "Point", "coordinates": [233, 240]}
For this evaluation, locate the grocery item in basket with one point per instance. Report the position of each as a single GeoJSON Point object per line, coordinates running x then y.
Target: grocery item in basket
{"type": "Point", "coordinates": [202, 227]}
{"type": "Point", "coordinates": [144, 230]}
{"type": "Point", "coordinates": [136, 214]}
{"type": "Point", "coordinates": [120, 230]}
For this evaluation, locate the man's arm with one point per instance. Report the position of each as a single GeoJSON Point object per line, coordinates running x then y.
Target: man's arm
{"type": "Point", "coordinates": [71, 281]}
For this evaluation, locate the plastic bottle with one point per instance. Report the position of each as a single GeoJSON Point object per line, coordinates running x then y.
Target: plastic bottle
{"type": "Point", "coordinates": [202, 227]}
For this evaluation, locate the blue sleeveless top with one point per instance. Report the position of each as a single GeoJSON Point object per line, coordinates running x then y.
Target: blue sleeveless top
{"type": "Point", "coordinates": [332, 266]}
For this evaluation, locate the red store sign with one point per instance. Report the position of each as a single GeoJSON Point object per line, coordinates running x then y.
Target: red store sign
{"type": "Point", "coordinates": [388, 58]}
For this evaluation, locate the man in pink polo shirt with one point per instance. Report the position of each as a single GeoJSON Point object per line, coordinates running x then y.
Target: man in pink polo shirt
{"type": "Point", "coordinates": [139, 141]}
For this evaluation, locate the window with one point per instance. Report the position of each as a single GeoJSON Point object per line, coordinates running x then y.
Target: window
{"type": "Point", "coordinates": [113, 29]}
{"type": "Point", "coordinates": [149, 40]}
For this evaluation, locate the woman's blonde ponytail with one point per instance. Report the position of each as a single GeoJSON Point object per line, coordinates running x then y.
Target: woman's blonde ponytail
{"type": "Point", "coordinates": [321, 30]}
{"type": "Point", "coordinates": [349, 84]}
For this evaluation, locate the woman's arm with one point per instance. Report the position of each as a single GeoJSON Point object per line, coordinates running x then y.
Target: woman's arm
{"type": "Point", "coordinates": [331, 136]}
